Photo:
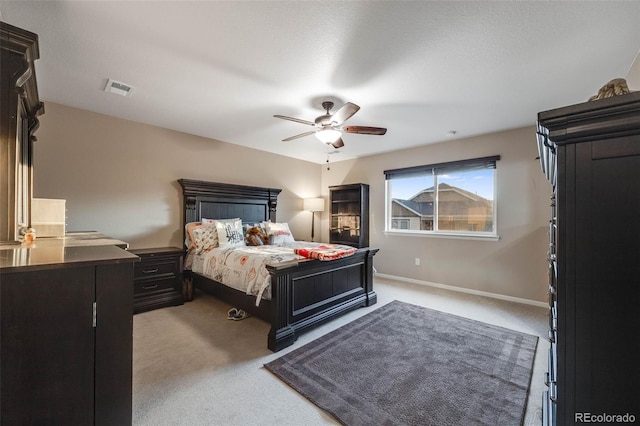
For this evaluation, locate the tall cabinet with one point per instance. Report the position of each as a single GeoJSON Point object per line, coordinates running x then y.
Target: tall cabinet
{"type": "Point", "coordinates": [349, 215]}
{"type": "Point", "coordinates": [591, 154]}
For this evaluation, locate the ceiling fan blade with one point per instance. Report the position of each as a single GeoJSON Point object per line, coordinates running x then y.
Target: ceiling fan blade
{"type": "Point", "coordinates": [344, 113]}
{"type": "Point", "coordinates": [297, 120]}
{"type": "Point", "coordinates": [338, 144]}
{"type": "Point", "coordinates": [364, 130]}
{"type": "Point", "coordinates": [301, 135]}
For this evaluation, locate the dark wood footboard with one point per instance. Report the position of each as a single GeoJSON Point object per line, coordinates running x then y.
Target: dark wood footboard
{"type": "Point", "coordinates": [308, 293]}
{"type": "Point", "coordinates": [303, 294]}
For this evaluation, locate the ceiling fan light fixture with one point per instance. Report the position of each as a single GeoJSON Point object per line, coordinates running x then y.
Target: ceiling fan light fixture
{"type": "Point", "coordinates": [328, 135]}
{"type": "Point", "coordinates": [329, 128]}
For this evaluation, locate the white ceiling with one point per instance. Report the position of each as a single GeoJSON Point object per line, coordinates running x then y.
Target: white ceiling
{"type": "Point", "coordinates": [222, 69]}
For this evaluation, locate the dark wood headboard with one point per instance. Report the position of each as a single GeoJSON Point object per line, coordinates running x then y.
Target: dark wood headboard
{"type": "Point", "coordinates": [215, 200]}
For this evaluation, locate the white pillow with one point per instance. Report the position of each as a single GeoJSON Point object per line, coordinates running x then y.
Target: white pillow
{"type": "Point", "coordinates": [230, 233]}
{"type": "Point", "coordinates": [279, 233]}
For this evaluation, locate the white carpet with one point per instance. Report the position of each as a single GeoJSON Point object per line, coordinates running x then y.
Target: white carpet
{"type": "Point", "coordinates": [192, 366]}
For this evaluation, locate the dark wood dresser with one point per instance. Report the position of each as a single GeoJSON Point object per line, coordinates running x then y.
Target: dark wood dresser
{"type": "Point", "coordinates": [591, 154]}
{"type": "Point", "coordinates": [158, 278]}
{"type": "Point", "coordinates": [66, 334]}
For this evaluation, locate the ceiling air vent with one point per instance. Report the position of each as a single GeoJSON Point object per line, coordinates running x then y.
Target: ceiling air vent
{"type": "Point", "coordinates": [118, 88]}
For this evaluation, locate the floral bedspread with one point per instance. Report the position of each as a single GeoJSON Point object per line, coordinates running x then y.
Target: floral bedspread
{"type": "Point", "coordinates": [244, 268]}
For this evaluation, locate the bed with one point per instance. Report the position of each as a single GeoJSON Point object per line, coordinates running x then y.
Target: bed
{"type": "Point", "coordinates": [303, 293]}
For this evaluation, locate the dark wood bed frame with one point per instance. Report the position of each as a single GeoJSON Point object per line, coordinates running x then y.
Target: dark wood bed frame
{"type": "Point", "coordinates": [303, 293]}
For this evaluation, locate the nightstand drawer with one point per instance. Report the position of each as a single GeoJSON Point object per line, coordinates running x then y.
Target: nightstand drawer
{"type": "Point", "coordinates": [157, 279]}
{"type": "Point", "coordinates": [156, 267]}
{"type": "Point", "coordinates": [147, 287]}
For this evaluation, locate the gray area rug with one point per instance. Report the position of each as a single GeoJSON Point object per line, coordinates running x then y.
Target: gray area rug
{"type": "Point", "coordinates": [407, 365]}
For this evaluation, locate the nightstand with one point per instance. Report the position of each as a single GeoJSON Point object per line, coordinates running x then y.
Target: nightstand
{"type": "Point", "coordinates": [157, 278]}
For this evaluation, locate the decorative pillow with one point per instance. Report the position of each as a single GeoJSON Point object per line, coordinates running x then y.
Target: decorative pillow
{"type": "Point", "coordinates": [189, 241]}
{"type": "Point", "coordinates": [230, 233]}
{"type": "Point", "coordinates": [256, 236]}
{"type": "Point", "coordinates": [279, 233]}
{"type": "Point", "coordinates": [205, 237]}
{"type": "Point", "coordinates": [211, 238]}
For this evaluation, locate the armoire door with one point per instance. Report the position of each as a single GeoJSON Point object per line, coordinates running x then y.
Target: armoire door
{"type": "Point", "coordinates": [607, 296]}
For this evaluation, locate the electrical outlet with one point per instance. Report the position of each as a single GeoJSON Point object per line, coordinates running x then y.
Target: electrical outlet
{"type": "Point", "coordinates": [417, 261]}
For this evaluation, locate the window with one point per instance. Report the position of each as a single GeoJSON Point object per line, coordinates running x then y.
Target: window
{"type": "Point", "coordinates": [400, 223]}
{"type": "Point", "coordinates": [456, 198]}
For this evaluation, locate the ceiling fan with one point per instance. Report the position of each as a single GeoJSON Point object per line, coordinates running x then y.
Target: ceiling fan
{"type": "Point", "coordinates": [329, 128]}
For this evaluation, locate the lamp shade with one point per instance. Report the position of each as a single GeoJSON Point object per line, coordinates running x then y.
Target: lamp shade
{"type": "Point", "coordinates": [328, 135]}
{"type": "Point", "coordinates": [313, 204]}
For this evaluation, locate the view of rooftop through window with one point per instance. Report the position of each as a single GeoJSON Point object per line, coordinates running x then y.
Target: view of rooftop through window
{"type": "Point", "coordinates": [463, 202]}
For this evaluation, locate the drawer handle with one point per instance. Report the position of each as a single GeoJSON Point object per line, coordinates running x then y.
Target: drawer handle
{"type": "Point", "coordinates": [149, 286]}
{"type": "Point", "coordinates": [150, 271]}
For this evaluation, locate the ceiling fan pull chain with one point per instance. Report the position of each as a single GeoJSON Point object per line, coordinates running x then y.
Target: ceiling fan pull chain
{"type": "Point", "coordinates": [328, 168]}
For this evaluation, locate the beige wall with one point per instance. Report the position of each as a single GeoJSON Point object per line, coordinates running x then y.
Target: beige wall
{"type": "Point", "coordinates": [633, 77]}
{"type": "Point", "coordinates": [514, 266]}
{"type": "Point", "coordinates": [120, 177]}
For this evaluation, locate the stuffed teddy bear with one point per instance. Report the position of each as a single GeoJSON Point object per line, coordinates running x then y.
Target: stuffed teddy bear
{"type": "Point", "coordinates": [256, 236]}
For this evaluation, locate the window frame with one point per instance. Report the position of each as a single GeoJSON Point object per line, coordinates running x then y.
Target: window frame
{"type": "Point", "coordinates": [433, 171]}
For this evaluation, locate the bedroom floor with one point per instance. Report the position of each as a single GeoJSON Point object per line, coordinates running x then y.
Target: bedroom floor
{"type": "Point", "coordinates": [192, 366]}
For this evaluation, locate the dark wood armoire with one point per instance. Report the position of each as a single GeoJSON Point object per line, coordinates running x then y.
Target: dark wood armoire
{"type": "Point", "coordinates": [591, 154]}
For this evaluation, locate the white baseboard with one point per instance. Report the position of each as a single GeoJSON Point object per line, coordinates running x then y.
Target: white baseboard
{"type": "Point", "coordinates": [465, 290]}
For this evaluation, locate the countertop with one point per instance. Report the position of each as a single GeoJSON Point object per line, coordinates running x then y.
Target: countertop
{"type": "Point", "coordinates": [74, 248]}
